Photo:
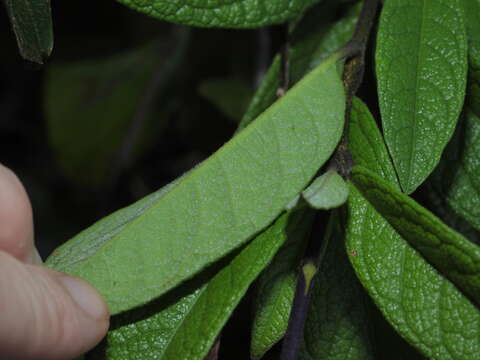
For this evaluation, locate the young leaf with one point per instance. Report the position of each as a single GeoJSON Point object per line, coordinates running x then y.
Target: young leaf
{"type": "Point", "coordinates": [221, 13]}
{"type": "Point", "coordinates": [32, 24]}
{"type": "Point", "coordinates": [327, 191]}
{"type": "Point", "coordinates": [219, 205]}
{"type": "Point", "coordinates": [453, 255]}
{"type": "Point", "coordinates": [312, 42]}
{"type": "Point", "coordinates": [336, 326]}
{"type": "Point", "coordinates": [421, 65]}
{"type": "Point", "coordinates": [423, 306]}
{"type": "Point", "coordinates": [276, 287]}
{"type": "Point", "coordinates": [187, 328]}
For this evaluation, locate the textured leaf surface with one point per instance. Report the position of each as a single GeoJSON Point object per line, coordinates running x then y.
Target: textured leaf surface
{"type": "Point", "coordinates": [472, 11]}
{"type": "Point", "coordinates": [327, 191]}
{"type": "Point", "coordinates": [452, 254]}
{"type": "Point", "coordinates": [460, 171]}
{"type": "Point", "coordinates": [312, 42]}
{"type": "Point", "coordinates": [276, 288]}
{"type": "Point", "coordinates": [187, 328]}
{"type": "Point", "coordinates": [421, 66]}
{"type": "Point", "coordinates": [221, 13]}
{"type": "Point", "coordinates": [336, 326]}
{"type": "Point", "coordinates": [32, 23]}
{"type": "Point", "coordinates": [219, 205]}
{"type": "Point", "coordinates": [423, 306]}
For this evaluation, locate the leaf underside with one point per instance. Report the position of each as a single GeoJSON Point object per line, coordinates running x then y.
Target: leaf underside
{"type": "Point", "coordinates": [219, 205]}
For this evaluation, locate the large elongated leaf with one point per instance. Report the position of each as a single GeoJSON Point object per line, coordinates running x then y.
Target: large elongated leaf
{"type": "Point", "coordinates": [32, 23]}
{"type": "Point", "coordinates": [221, 13]}
{"type": "Point", "coordinates": [423, 306]}
{"type": "Point", "coordinates": [421, 64]}
{"type": "Point", "coordinates": [314, 39]}
{"type": "Point", "coordinates": [276, 288]}
{"type": "Point", "coordinates": [452, 254]}
{"type": "Point", "coordinates": [336, 326]}
{"type": "Point", "coordinates": [219, 205]}
{"type": "Point", "coordinates": [187, 328]}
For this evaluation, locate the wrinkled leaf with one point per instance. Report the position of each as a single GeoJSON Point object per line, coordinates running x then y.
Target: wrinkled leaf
{"type": "Point", "coordinates": [315, 38]}
{"type": "Point", "coordinates": [452, 254]}
{"type": "Point", "coordinates": [221, 13]}
{"type": "Point", "coordinates": [423, 306]}
{"type": "Point", "coordinates": [92, 110]}
{"type": "Point", "coordinates": [327, 191]}
{"type": "Point", "coordinates": [219, 205]}
{"type": "Point", "coordinates": [188, 327]}
{"type": "Point", "coordinates": [32, 24]}
{"type": "Point", "coordinates": [276, 288]}
{"type": "Point", "coordinates": [230, 95]}
{"type": "Point", "coordinates": [421, 66]}
{"type": "Point", "coordinates": [336, 326]}
{"type": "Point", "coordinates": [472, 12]}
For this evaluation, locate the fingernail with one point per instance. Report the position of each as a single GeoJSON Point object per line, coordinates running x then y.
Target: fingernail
{"type": "Point", "coordinates": [85, 297]}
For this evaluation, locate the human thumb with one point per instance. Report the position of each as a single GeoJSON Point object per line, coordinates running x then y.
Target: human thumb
{"type": "Point", "coordinates": [46, 314]}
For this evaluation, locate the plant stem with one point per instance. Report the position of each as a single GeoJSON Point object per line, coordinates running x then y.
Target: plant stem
{"type": "Point", "coordinates": [354, 51]}
{"type": "Point", "coordinates": [353, 72]}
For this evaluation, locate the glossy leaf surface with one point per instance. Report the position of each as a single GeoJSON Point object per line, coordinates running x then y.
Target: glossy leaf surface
{"type": "Point", "coordinates": [452, 254]}
{"type": "Point", "coordinates": [276, 288]}
{"type": "Point", "coordinates": [221, 13]}
{"type": "Point", "coordinates": [32, 24]}
{"type": "Point", "coordinates": [219, 205]}
{"type": "Point", "coordinates": [472, 11]}
{"type": "Point", "coordinates": [423, 306]}
{"type": "Point", "coordinates": [421, 66]}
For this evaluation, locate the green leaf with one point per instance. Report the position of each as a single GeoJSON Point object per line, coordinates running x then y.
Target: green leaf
{"type": "Point", "coordinates": [220, 204]}
{"type": "Point", "coordinates": [230, 95]}
{"type": "Point", "coordinates": [367, 144]}
{"type": "Point", "coordinates": [276, 287]}
{"type": "Point", "coordinates": [327, 191]}
{"type": "Point", "coordinates": [314, 39]}
{"type": "Point", "coordinates": [90, 112]}
{"type": "Point", "coordinates": [452, 254]}
{"type": "Point", "coordinates": [472, 12]}
{"type": "Point", "coordinates": [32, 24]}
{"type": "Point", "coordinates": [424, 307]}
{"type": "Point", "coordinates": [421, 66]}
{"type": "Point", "coordinates": [221, 13]}
{"type": "Point", "coordinates": [460, 170]}
{"type": "Point", "coordinates": [336, 326]}
{"type": "Point", "coordinates": [185, 326]}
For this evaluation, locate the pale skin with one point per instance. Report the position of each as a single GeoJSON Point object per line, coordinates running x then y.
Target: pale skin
{"type": "Point", "coordinates": [44, 314]}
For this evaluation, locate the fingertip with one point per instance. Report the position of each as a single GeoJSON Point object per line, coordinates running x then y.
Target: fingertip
{"type": "Point", "coordinates": [16, 219]}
